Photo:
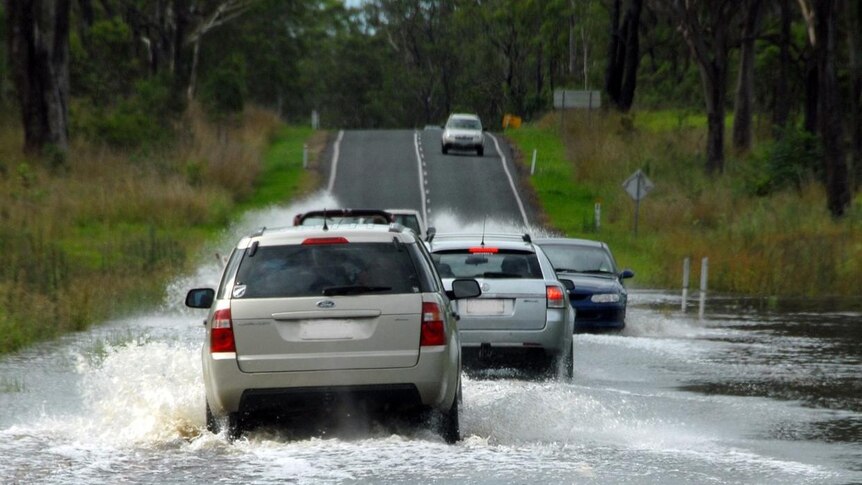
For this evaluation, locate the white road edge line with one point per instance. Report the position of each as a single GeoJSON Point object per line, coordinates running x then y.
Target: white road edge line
{"type": "Point", "coordinates": [422, 181]}
{"type": "Point", "coordinates": [335, 153]}
{"type": "Point", "coordinates": [511, 181]}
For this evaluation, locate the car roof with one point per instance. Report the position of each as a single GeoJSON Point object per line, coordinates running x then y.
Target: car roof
{"type": "Point", "coordinates": [464, 115]}
{"type": "Point", "coordinates": [403, 211]}
{"type": "Point", "coordinates": [571, 242]}
{"type": "Point", "coordinates": [351, 232]}
{"type": "Point", "coordinates": [442, 242]}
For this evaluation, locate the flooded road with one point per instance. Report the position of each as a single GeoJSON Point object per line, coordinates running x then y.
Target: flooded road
{"type": "Point", "coordinates": [755, 392]}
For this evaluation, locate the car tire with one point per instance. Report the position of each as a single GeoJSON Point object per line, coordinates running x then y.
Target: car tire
{"type": "Point", "coordinates": [234, 426]}
{"type": "Point", "coordinates": [566, 365]}
{"type": "Point", "coordinates": [449, 425]}
{"type": "Point", "coordinates": [480, 151]}
{"type": "Point", "coordinates": [445, 149]}
{"type": "Point", "coordinates": [213, 425]}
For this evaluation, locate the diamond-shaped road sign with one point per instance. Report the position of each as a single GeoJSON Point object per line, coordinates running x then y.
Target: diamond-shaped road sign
{"type": "Point", "coordinates": [638, 185]}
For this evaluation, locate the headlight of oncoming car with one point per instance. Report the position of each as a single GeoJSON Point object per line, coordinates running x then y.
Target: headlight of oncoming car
{"type": "Point", "coordinates": [605, 298]}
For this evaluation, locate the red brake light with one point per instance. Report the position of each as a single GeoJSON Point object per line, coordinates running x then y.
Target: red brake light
{"type": "Point", "coordinates": [483, 249]}
{"type": "Point", "coordinates": [556, 298]}
{"type": "Point", "coordinates": [221, 336]}
{"type": "Point", "coordinates": [325, 240]}
{"type": "Point", "coordinates": [433, 329]}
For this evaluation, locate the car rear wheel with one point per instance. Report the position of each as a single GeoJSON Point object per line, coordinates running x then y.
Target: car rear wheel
{"type": "Point", "coordinates": [566, 364]}
{"type": "Point", "coordinates": [214, 424]}
{"type": "Point", "coordinates": [449, 425]}
{"type": "Point", "coordinates": [445, 149]}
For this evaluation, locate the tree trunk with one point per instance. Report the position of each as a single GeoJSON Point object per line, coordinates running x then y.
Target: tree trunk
{"type": "Point", "coordinates": [613, 71]}
{"type": "Point", "coordinates": [830, 111]}
{"type": "Point", "coordinates": [744, 105]}
{"type": "Point", "coordinates": [781, 108]}
{"type": "Point", "coordinates": [855, 49]}
{"type": "Point", "coordinates": [633, 55]}
{"type": "Point", "coordinates": [714, 89]}
{"type": "Point", "coordinates": [38, 40]}
{"type": "Point", "coordinates": [811, 93]}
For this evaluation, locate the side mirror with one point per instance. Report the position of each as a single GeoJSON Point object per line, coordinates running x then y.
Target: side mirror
{"type": "Point", "coordinates": [200, 298]}
{"type": "Point", "coordinates": [569, 284]}
{"type": "Point", "coordinates": [464, 288]}
{"type": "Point", "coordinates": [430, 233]}
{"type": "Point", "coordinates": [627, 273]}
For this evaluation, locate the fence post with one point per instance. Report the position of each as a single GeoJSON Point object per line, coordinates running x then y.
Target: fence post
{"type": "Point", "coordinates": [598, 216]}
{"type": "Point", "coordinates": [533, 166]}
{"type": "Point", "coordinates": [686, 271]}
{"type": "Point", "coordinates": [305, 156]}
{"type": "Point", "coordinates": [704, 276]}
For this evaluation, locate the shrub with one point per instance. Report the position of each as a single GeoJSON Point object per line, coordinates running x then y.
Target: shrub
{"type": "Point", "coordinates": [788, 162]}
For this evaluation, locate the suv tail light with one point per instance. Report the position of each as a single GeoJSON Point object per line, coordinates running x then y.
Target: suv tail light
{"type": "Point", "coordinates": [433, 329]}
{"type": "Point", "coordinates": [221, 336]}
{"type": "Point", "coordinates": [556, 298]}
{"type": "Point", "coordinates": [325, 240]}
{"type": "Point", "coordinates": [483, 250]}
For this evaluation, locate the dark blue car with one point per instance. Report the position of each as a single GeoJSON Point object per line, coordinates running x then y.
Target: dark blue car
{"type": "Point", "coordinates": [598, 296]}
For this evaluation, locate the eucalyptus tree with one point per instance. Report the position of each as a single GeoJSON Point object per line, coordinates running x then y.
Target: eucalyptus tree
{"type": "Point", "coordinates": [38, 50]}
{"type": "Point", "coordinates": [708, 29]}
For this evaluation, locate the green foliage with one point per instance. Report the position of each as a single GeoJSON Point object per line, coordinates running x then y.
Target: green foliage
{"type": "Point", "coordinates": [223, 93]}
{"type": "Point", "coordinates": [791, 161]}
{"type": "Point", "coordinates": [103, 66]}
{"type": "Point", "coordinates": [141, 119]}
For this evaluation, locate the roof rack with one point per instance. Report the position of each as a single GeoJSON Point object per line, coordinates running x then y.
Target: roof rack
{"type": "Point", "coordinates": [495, 235]}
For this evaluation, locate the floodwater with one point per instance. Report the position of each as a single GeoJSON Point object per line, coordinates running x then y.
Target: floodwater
{"type": "Point", "coordinates": [755, 391]}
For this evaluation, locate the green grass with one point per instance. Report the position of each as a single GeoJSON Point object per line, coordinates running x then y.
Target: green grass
{"type": "Point", "coordinates": [567, 204]}
{"type": "Point", "coordinates": [783, 243]}
{"type": "Point", "coordinates": [104, 235]}
{"type": "Point", "coordinates": [283, 176]}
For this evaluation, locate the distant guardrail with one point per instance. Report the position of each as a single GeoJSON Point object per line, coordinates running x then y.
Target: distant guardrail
{"type": "Point", "coordinates": [571, 99]}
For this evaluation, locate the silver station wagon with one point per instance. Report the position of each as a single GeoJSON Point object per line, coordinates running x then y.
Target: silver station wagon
{"type": "Point", "coordinates": [311, 318]}
{"type": "Point", "coordinates": [524, 309]}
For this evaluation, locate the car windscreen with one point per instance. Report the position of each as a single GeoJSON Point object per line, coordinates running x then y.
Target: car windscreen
{"type": "Point", "coordinates": [326, 269]}
{"type": "Point", "coordinates": [464, 124]}
{"type": "Point", "coordinates": [409, 221]}
{"type": "Point", "coordinates": [583, 259]}
{"type": "Point", "coordinates": [333, 220]}
{"type": "Point", "coordinates": [462, 263]}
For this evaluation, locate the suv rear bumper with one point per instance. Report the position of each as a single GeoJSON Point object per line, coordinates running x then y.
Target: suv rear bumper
{"type": "Point", "coordinates": [554, 337]}
{"type": "Point", "coordinates": [434, 379]}
{"type": "Point", "coordinates": [297, 400]}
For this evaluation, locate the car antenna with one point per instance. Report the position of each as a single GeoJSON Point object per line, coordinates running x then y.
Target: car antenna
{"type": "Point", "coordinates": [325, 227]}
{"type": "Point", "coordinates": [483, 231]}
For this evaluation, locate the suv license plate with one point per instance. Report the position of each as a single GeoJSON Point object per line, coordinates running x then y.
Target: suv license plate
{"type": "Point", "coordinates": [489, 306]}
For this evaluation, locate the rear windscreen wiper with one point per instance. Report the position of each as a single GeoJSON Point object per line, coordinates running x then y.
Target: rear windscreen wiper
{"type": "Point", "coordinates": [500, 274]}
{"type": "Point", "coordinates": [353, 290]}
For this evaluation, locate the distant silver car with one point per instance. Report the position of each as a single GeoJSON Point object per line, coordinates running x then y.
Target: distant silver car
{"type": "Point", "coordinates": [412, 219]}
{"type": "Point", "coordinates": [463, 131]}
{"type": "Point", "coordinates": [312, 317]}
{"type": "Point", "coordinates": [523, 308]}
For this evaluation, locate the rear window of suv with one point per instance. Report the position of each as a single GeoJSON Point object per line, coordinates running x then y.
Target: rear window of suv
{"type": "Point", "coordinates": [327, 269]}
{"type": "Point", "coordinates": [462, 263]}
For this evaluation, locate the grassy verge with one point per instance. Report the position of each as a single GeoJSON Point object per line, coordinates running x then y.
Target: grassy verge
{"type": "Point", "coordinates": [783, 243]}
{"type": "Point", "coordinates": [101, 234]}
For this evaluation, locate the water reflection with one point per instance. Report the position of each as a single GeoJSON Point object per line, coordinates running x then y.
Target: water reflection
{"type": "Point", "coordinates": [801, 350]}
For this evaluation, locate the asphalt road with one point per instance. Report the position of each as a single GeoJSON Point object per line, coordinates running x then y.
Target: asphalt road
{"type": "Point", "coordinates": [406, 169]}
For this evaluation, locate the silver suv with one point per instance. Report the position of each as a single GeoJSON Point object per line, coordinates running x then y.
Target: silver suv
{"type": "Point", "coordinates": [524, 309]}
{"type": "Point", "coordinates": [317, 317]}
{"type": "Point", "coordinates": [463, 131]}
